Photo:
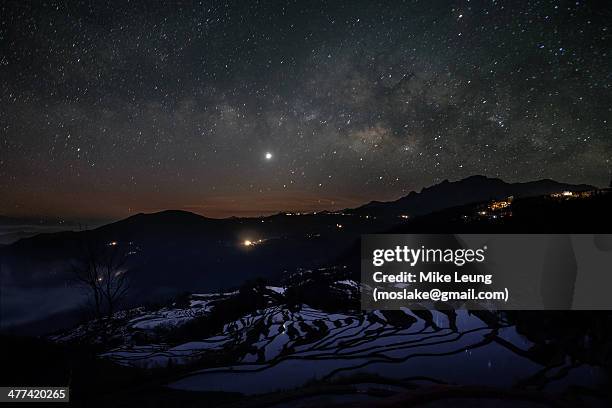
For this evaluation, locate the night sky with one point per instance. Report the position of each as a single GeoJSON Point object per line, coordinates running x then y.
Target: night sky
{"type": "Point", "coordinates": [250, 107]}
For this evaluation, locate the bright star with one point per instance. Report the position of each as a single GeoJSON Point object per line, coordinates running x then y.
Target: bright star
{"type": "Point", "coordinates": [268, 156]}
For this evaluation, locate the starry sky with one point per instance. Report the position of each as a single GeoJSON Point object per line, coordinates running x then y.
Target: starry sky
{"type": "Point", "coordinates": [251, 107]}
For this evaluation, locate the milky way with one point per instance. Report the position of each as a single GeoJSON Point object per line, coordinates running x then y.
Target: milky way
{"type": "Point", "coordinates": [252, 107]}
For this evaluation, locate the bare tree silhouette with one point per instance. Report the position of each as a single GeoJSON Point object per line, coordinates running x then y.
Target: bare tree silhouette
{"type": "Point", "coordinates": [101, 269]}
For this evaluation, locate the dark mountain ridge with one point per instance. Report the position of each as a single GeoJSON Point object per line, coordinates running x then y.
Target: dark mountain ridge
{"type": "Point", "coordinates": [446, 194]}
{"type": "Point", "coordinates": [469, 190]}
{"type": "Point", "coordinates": [176, 251]}
{"type": "Point", "coordinates": [191, 245]}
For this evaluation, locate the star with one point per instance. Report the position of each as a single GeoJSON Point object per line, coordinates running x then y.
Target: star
{"type": "Point", "coordinates": [368, 93]}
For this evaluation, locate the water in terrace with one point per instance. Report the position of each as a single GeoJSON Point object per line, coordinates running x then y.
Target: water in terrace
{"type": "Point", "coordinates": [472, 353]}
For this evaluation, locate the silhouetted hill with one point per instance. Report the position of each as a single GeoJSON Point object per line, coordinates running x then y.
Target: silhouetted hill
{"type": "Point", "coordinates": [13, 229]}
{"type": "Point", "coordinates": [469, 190]}
{"type": "Point", "coordinates": [538, 215]}
{"type": "Point", "coordinates": [177, 251]}
{"type": "Point", "coordinates": [173, 252]}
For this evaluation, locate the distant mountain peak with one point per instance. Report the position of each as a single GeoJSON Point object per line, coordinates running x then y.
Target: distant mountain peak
{"type": "Point", "coordinates": [468, 190]}
{"type": "Point", "coordinates": [168, 214]}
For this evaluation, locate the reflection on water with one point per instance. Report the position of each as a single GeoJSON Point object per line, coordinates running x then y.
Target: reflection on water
{"type": "Point", "coordinates": [415, 349]}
